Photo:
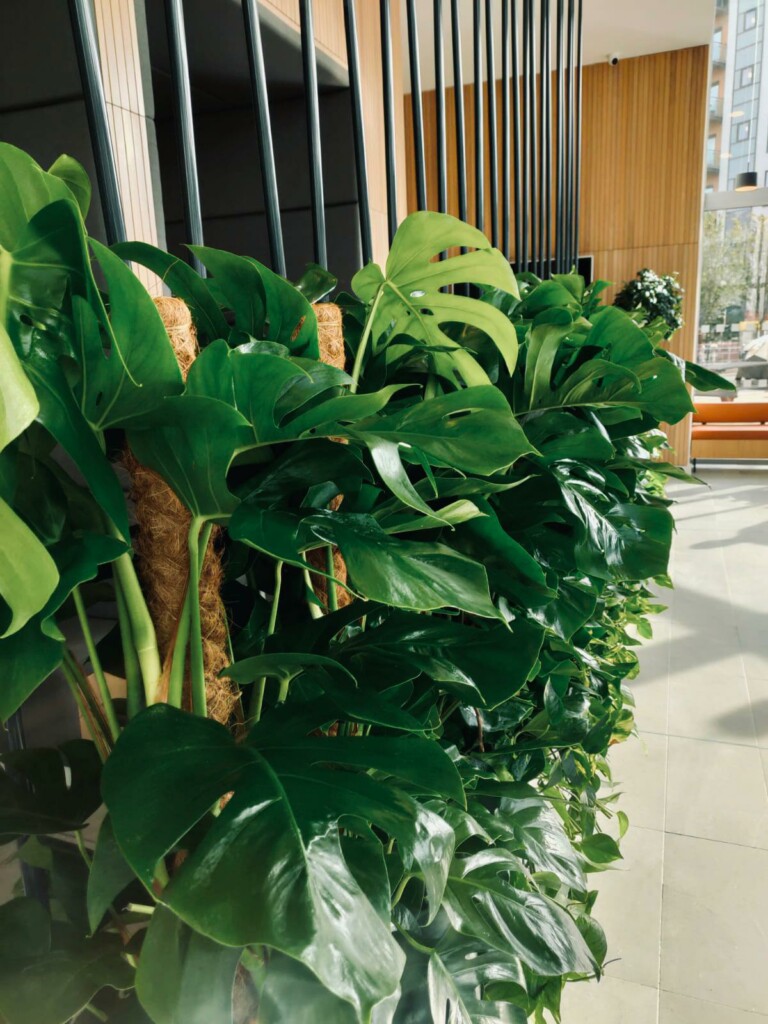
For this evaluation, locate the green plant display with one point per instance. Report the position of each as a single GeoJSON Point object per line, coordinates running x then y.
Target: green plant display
{"type": "Point", "coordinates": [403, 821]}
{"type": "Point", "coordinates": [656, 298]}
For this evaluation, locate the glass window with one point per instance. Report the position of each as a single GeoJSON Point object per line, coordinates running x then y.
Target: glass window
{"type": "Point", "coordinates": [742, 131]}
{"type": "Point", "coordinates": [711, 151]}
{"type": "Point", "coordinates": [746, 76]}
{"type": "Point", "coordinates": [733, 317]}
{"type": "Point", "coordinates": [749, 20]}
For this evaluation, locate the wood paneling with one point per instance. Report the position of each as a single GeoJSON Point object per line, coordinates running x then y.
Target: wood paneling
{"type": "Point", "coordinates": [643, 178]}
{"type": "Point", "coordinates": [124, 93]}
{"type": "Point", "coordinates": [642, 174]}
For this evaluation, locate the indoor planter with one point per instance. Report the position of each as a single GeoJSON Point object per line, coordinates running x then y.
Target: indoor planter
{"type": "Point", "coordinates": [399, 818]}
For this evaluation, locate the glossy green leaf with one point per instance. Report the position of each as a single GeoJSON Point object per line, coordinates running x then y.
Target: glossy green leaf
{"type": "Point", "coordinates": [409, 299]}
{"type": "Point", "coordinates": [191, 442]}
{"type": "Point", "coordinates": [183, 977]}
{"type": "Point", "coordinates": [28, 574]}
{"type": "Point", "coordinates": [72, 173]}
{"type": "Point", "coordinates": [18, 403]}
{"type": "Point", "coordinates": [110, 873]}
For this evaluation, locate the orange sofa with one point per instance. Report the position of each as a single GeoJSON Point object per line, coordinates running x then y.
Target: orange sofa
{"type": "Point", "coordinates": [730, 430]}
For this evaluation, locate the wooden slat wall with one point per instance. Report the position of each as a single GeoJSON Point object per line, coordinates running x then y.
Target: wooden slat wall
{"type": "Point", "coordinates": [643, 178]}
{"type": "Point", "coordinates": [121, 73]}
{"type": "Point", "coordinates": [642, 174]}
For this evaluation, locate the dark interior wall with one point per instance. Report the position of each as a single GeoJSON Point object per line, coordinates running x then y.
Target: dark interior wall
{"type": "Point", "coordinates": [231, 191]}
{"type": "Point", "coordinates": [41, 102]}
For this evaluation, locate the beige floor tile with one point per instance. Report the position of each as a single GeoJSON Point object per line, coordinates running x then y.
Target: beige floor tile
{"type": "Point", "coordinates": [716, 791]}
{"type": "Point", "coordinates": [707, 706]}
{"type": "Point", "coordinates": [610, 1001]}
{"type": "Point", "coordinates": [758, 695]}
{"type": "Point", "coordinates": [714, 943]}
{"type": "Point", "coordinates": [629, 908]}
{"type": "Point", "coordinates": [639, 769]}
{"type": "Point", "coordinates": [651, 693]}
{"type": "Point", "coordinates": [674, 1009]}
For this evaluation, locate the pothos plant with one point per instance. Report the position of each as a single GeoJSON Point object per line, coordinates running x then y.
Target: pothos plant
{"type": "Point", "coordinates": [401, 821]}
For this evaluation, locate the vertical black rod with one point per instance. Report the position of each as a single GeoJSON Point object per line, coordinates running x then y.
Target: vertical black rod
{"type": "Point", "coordinates": [458, 101]}
{"type": "Point", "coordinates": [264, 133]}
{"type": "Point", "coordinates": [182, 96]}
{"type": "Point", "coordinates": [516, 135]}
{"type": "Point", "coordinates": [442, 158]}
{"type": "Point", "coordinates": [570, 140]}
{"type": "Point", "coordinates": [416, 107]}
{"type": "Point", "coordinates": [533, 139]}
{"type": "Point", "coordinates": [526, 133]}
{"type": "Point", "coordinates": [560, 197]}
{"type": "Point", "coordinates": [546, 139]}
{"type": "Point", "coordinates": [358, 129]}
{"type": "Point", "coordinates": [505, 147]}
{"type": "Point", "coordinates": [577, 187]}
{"type": "Point", "coordinates": [477, 47]}
{"type": "Point", "coordinates": [493, 148]}
{"type": "Point", "coordinates": [313, 132]}
{"type": "Point", "coordinates": [87, 49]}
{"type": "Point", "coordinates": [389, 115]}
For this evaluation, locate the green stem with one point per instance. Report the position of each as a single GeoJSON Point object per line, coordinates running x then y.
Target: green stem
{"type": "Point", "coordinates": [142, 627]}
{"type": "Point", "coordinates": [400, 890]}
{"type": "Point", "coordinates": [179, 663]}
{"type": "Point", "coordinates": [196, 666]}
{"type": "Point", "coordinates": [314, 610]}
{"type": "Point", "coordinates": [333, 601]}
{"type": "Point", "coordinates": [257, 698]}
{"type": "Point", "coordinates": [360, 354]}
{"type": "Point", "coordinates": [98, 671]}
{"type": "Point", "coordinates": [95, 1012]}
{"type": "Point", "coordinates": [81, 847]}
{"type": "Point", "coordinates": [133, 692]}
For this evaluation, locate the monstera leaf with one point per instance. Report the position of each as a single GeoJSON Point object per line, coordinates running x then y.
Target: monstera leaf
{"type": "Point", "coordinates": [279, 830]}
{"type": "Point", "coordinates": [406, 299]}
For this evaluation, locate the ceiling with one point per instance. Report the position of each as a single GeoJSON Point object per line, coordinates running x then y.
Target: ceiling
{"type": "Point", "coordinates": [628, 28]}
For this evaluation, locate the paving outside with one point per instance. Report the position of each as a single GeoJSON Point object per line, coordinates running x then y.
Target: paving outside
{"type": "Point", "coordinates": [687, 913]}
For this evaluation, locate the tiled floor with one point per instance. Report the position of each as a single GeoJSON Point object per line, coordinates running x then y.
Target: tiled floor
{"type": "Point", "coordinates": [687, 913]}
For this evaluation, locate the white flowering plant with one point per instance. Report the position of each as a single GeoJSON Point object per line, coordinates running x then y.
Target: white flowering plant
{"type": "Point", "coordinates": [656, 297]}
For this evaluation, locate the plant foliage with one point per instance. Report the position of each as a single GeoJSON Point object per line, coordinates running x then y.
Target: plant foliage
{"type": "Point", "coordinates": [402, 822]}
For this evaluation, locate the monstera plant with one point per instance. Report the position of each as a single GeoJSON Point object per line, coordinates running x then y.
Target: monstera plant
{"type": "Point", "coordinates": [400, 814]}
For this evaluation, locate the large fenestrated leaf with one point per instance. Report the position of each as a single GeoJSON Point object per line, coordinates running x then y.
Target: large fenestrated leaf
{"type": "Point", "coordinates": [279, 830]}
{"type": "Point", "coordinates": [620, 540]}
{"type": "Point", "coordinates": [405, 574]}
{"type": "Point", "coordinates": [72, 173]}
{"type": "Point", "coordinates": [628, 372]}
{"type": "Point", "coordinates": [18, 402]}
{"type": "Point", "coordinates": [265, 305]}
{"type": "Point", "coordinates": [409, 300]}
{"type": "Point", "coordinates": [484, 667]}
{"type": "Point", "coordinates": [481, 901]}
{"type": "Point", "coordinates": [28, 574]}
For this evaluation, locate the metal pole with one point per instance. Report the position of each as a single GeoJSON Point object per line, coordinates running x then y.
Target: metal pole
{"type": "Point", "coordinates": [577, 188]}
{"type": "Point", "coordinates": [533, 138]}
{"type": "Point", "coordinates": [569, 179]}
{"type": "Point", "coordinates": [526, 133]}
{"type": "Point", "coordinates": [416, 107]}
{"type": "Point", "coordinates": [479, 142]}
{"type": "Point", "coordinates": [560, 128]}
{"type": "Point", "coordinates": [358, 128]}
{"type": "Point", "coordinates": [546, 141]}
{"type": "Point", "coordinates": [313, 132]}
{"type": "Point", "coordinates": [442, 158]}
{"type": "Point", "coordinates": [182, 95]}
{"type": "Point", "coordinates": [493, 149]}
{"type": "Point", "coordinates": [264, 133]}
{"type": "Point", "coordinates": [389, 115]}
{"type": "Point", "coordinates": [87, 50]}
{"type": "Point", "coordinates": [458, 101]}
{"type": "Point", "coordinates": [516, 136]}
{"type": "Point", "coordinates": [505, 146]}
